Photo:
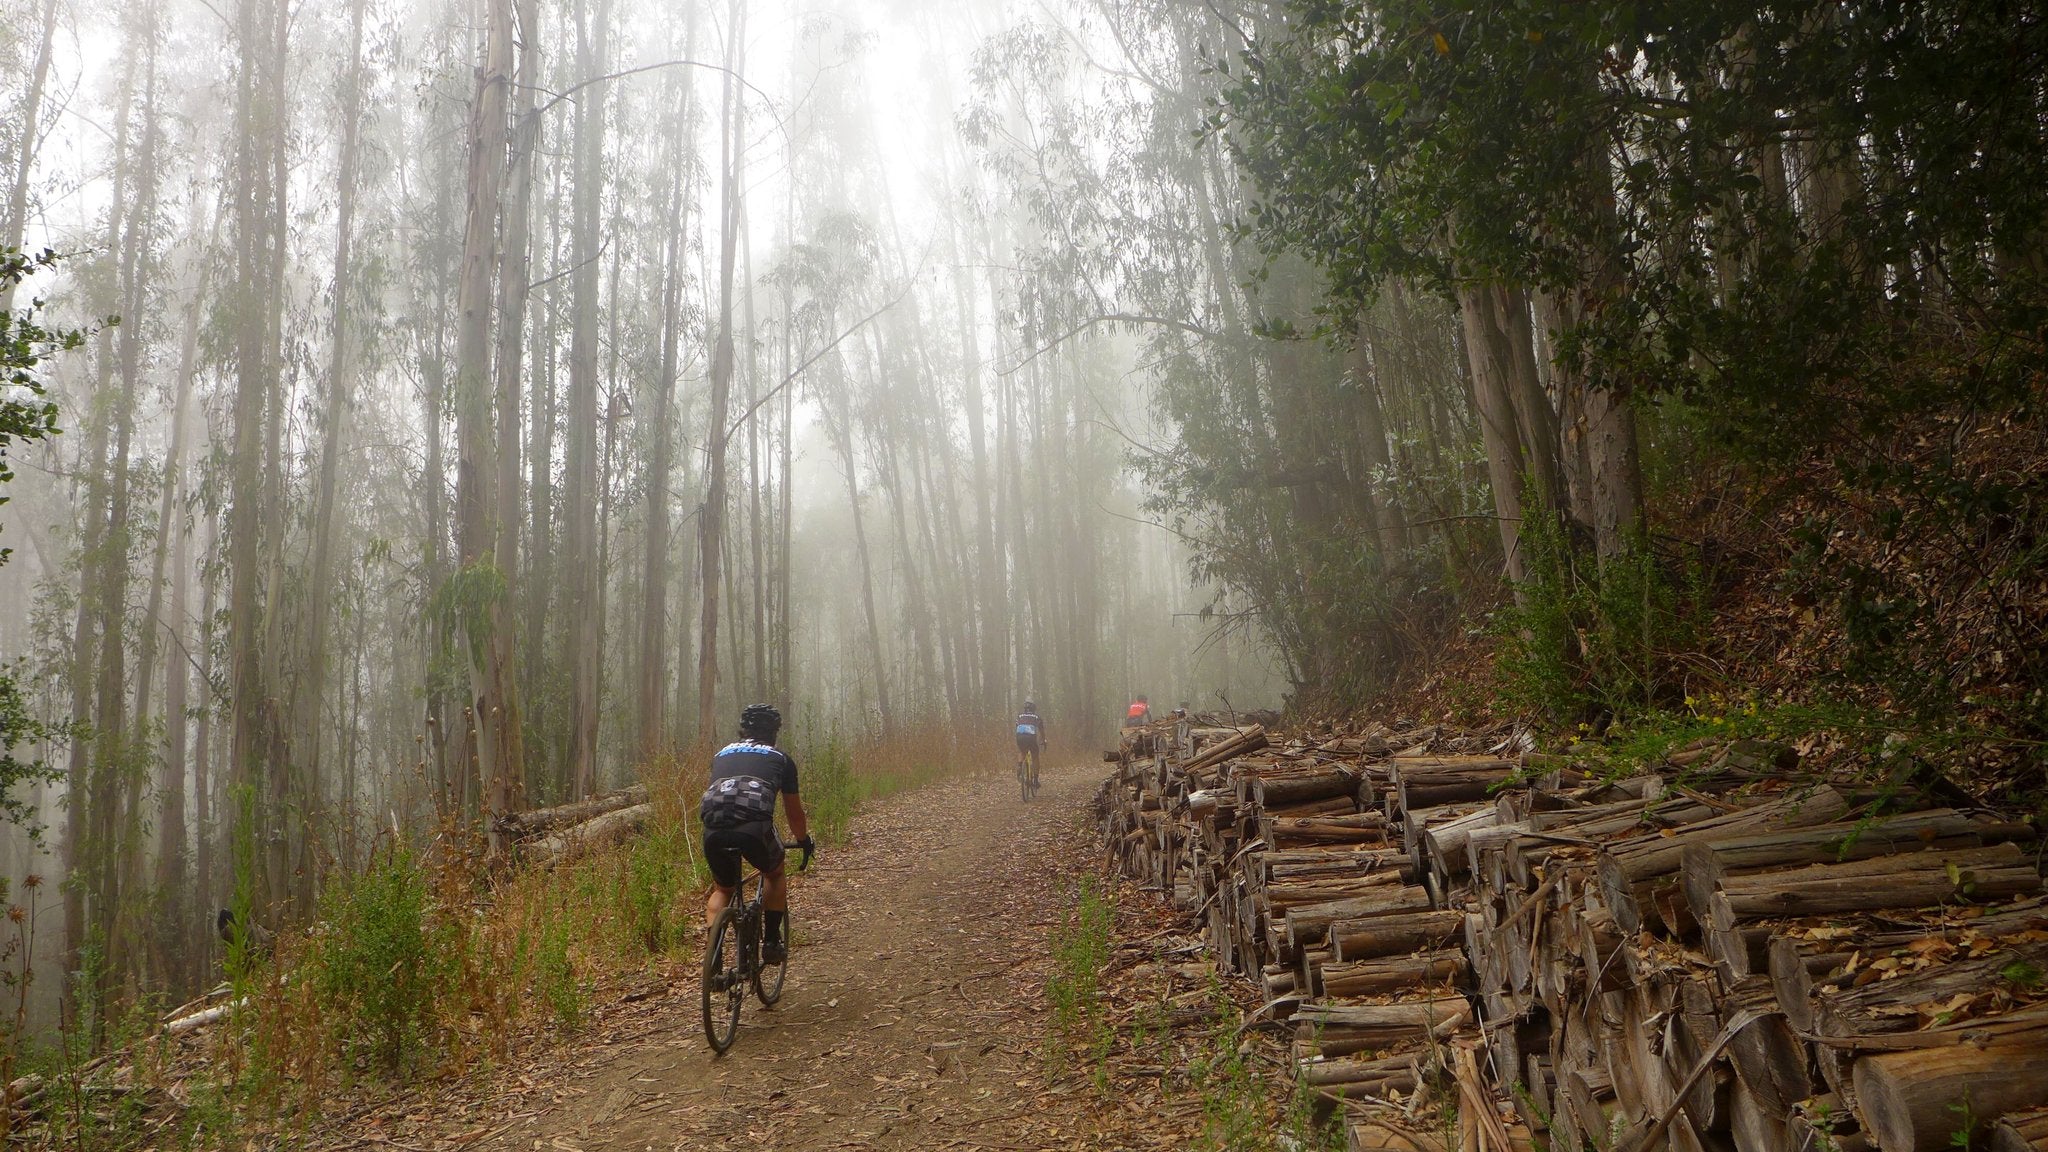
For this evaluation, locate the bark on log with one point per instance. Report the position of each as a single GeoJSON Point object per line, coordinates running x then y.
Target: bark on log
{"type": "Point", "coordinates": [1907, 880]}
{"type": "Point", "coordinates": [1799, 962]}
{"type": "Point", "coordinates": [1380, 1137]}
{"type": "Point", "coordinates": [1322, 783]}
{"type": "Point", "coordinates": [1389, 974]}
{"type": "Point", "coordinates": [1434, 782]}
{"type": "Point", "coordinates": [1246, 742]}
{"type": "Point", "coordinates": [2021, 1132]}
{"type": "Point", "coordinates": [1627, 866]}
{"type": "Point", "coordinates": [1909, 1100]}
{"type": "Point", "coordinates": [1308, 924]}
{"type": "Point", "coordinates": [539, 820]}
{"type": "Point", "coordinates": [1705, 863]}
{"type": "Point", "coordinates": [1394, 935]}
{"type": "Point", "coordinates": [1345, 1029]}
{"type": "Point", "coordinates": [1894, 1005]}
{"type": "Point", "coordinates": [589, 834]}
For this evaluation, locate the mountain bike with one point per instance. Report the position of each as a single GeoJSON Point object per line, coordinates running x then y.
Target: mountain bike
{"type": "Point", "coordinates": [1027, 774]}
{"type": "Point", "coordinates": [732, 960]}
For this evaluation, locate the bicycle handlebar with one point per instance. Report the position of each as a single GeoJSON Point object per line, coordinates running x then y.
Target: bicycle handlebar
{"type": "Point", "coordinates": [807, 850]}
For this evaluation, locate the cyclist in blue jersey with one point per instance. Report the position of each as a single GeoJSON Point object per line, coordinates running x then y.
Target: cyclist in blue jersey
{"type": "Point", "coordinates": [1031, 736]}
{"type": "Point", "coordinates": [738, 813]}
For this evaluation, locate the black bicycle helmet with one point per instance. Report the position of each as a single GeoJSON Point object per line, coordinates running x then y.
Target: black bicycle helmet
{"type": "Point", "coordinates": [760, 720]}
{"type": "Point", "coordinates": [1031, 706]}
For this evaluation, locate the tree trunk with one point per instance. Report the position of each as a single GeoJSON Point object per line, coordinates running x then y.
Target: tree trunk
{"type": "Point", "coordinates": [491, 734]}
{"type": "Point", "coordinates": [654, 562]}
{"type": "Point", "coordinates": [711, 524]}
{"type": "Point", "coordinates": [509, 788]}
{"type": "Point", "coordinates": [839, 426]}
{"type": "Point", "coordinates": [24, 162]}
{"type": "Point", "coordinates": [1491, 369]}
{"type": "Point", "coordinates": [580, 531]}
{"type": "Point", "coordinates": [202, 750]}
{"type": "Point", "coordinates": [126, 824]}
{"type": "Point", "coordinates": [254, 370]}
{"type": "Point", "coordinates": [311, 688]}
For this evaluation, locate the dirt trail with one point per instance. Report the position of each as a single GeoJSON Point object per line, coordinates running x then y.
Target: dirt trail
{"type": "Point", "coordinates": [913, 1017]}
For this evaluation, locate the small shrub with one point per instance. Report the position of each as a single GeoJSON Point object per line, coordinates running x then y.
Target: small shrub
{"type": "Point", "coordinates": [384, 965]}
{"type": "Point", "coordinates": [830, 791]}
{"type": "Point", "coordinates": [1080, 950]}
{"type": "Point", "coordinates": [555, 974]}
{"type": "Point", "coordinates": [656, 867]}
{"type": "Point", "coordinates": [1599, 641]}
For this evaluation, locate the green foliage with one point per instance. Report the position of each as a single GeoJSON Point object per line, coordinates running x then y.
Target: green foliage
{"type": "Point", "coordinates": [1080, 950]}
{"type": "Point", "coordinates": [1818, 227]}
{"type": "Point", "coordinates": [830, 790]}
{"type": "Point", "coordinates": [657, 864]}
{"type": "Point", "coordinates": [1964, 1137]}
{"type": "Point", "coordinates": [20, 729]}
{"type": "Point", "coordinates": [1591, 642]}
{"type": "Point", "coordinates": [1237, 1102]}
{"type": "Point", "coordinates": [27, 415]}
{"type": "Point", "coordinates": [461, 608]}
{"type": "Point", "coordinates": [241, 959]}
{"type": "Point", "coordinates": [555, 973]}
{"type": "Point", "coordinates": [2021, 973]}
{"type": "Point", "coordinates": [385, 962]}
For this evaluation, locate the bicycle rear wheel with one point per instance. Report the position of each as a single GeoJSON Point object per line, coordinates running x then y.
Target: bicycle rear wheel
{"type": "Point", "coordinates": [724, 982]}
{"type": "Point", "coordinates": [768, 977]}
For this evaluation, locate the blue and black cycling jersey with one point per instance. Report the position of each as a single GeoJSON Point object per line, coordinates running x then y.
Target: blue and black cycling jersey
{"type": "Point", "coordinates": [761, 761]}
{"type": "Point", "coordinates": [1030, 727]}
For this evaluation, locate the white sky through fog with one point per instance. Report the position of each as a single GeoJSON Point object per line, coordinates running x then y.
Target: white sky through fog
{"type": "Point", "coordinates": [913, 71]}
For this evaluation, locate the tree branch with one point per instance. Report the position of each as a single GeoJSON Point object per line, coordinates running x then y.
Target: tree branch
{"type": "Point", "coordinates": [1109, 318]}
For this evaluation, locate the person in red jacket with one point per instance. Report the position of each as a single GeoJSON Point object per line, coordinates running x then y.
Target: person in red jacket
{"type": "Point", "coordinates": [1139, 713]}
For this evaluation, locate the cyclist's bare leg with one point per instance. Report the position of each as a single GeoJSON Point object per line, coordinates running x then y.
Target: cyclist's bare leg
{"type": "Point", "coordinates": [777, 898]}
{"type": "Point", "coordinates": [715, 902]}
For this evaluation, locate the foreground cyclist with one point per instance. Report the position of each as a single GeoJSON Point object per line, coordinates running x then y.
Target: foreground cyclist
{"type": "Point", "coordinates": [1030, 736]}
{"type": "Point", "coordinates": [738, 812]}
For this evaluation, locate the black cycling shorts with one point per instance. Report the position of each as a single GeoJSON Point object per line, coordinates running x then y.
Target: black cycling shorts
{"type": "Point", "coordinates": [756, 843]}
{"type": "Point", "coordinates": [1026, 743]}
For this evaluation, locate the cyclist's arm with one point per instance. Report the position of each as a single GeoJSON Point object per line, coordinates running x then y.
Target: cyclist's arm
{"type": "Point", "coordinates": [799, 821]}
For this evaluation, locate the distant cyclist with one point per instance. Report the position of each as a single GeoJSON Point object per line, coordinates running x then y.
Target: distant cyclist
{"type": "Point", "coordinates": [738, 811]}
{"type": "Point", "coordinates": [1139, 713]}
{"type": "Point", "coordinates": [1030, 737]}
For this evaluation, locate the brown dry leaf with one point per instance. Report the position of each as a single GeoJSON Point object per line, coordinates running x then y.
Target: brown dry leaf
{"type": "Point", "coordinates": [1932, 946]}
{"type": "Point", "coordinates": [1828, 932]}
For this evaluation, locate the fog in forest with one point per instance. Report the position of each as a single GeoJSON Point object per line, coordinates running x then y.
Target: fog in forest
{"type": "Point", "coordinates": [477, 399]}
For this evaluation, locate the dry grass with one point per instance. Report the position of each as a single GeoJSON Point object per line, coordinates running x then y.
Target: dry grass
{"type": "Point", "coordinates": [509, 957]}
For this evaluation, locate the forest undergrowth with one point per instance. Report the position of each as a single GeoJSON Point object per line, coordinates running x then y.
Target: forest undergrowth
{"type": "Point", "coordinates": [1876, 603]}
{"type": "Point", "coordinates": [1124, 1013]}
{"type": "Point", "coordinates": [428, 964]}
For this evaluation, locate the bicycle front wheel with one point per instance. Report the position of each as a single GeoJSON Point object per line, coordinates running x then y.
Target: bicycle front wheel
{"type": "Point", "coordinates": [724, 981]}
{"type": "Point", "coordinates": [768, 977]}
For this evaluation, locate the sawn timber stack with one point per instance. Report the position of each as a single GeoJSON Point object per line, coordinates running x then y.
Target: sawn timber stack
{"type": "Point", "coordinates": [1718, 954]}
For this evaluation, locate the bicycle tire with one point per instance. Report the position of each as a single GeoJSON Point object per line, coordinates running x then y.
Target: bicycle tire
{"type": "Point", "coordinates": [768, 978]}
{"type": "Point", "coordinates": [723, 986]}
{"type": "Point", "coordinates": [1023, 781]}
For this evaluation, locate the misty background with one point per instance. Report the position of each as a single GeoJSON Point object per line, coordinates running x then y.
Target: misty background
{"type": "Point", "coordinates": [390, 480]}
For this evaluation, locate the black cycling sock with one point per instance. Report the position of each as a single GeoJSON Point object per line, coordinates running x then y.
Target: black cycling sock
{"type": "Point", "coordinates": [775, 919]}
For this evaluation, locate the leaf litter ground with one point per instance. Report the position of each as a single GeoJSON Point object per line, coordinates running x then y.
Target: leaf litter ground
{"type": "Point", "coordinates": [915, 1015]}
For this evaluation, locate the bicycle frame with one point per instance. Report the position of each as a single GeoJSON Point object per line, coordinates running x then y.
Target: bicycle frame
{"type": "Point", "coordinates": [724, 985]}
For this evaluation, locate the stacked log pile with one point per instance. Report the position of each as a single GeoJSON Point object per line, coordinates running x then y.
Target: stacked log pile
{"type": "Point", "coordinates": [1721, 954]}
